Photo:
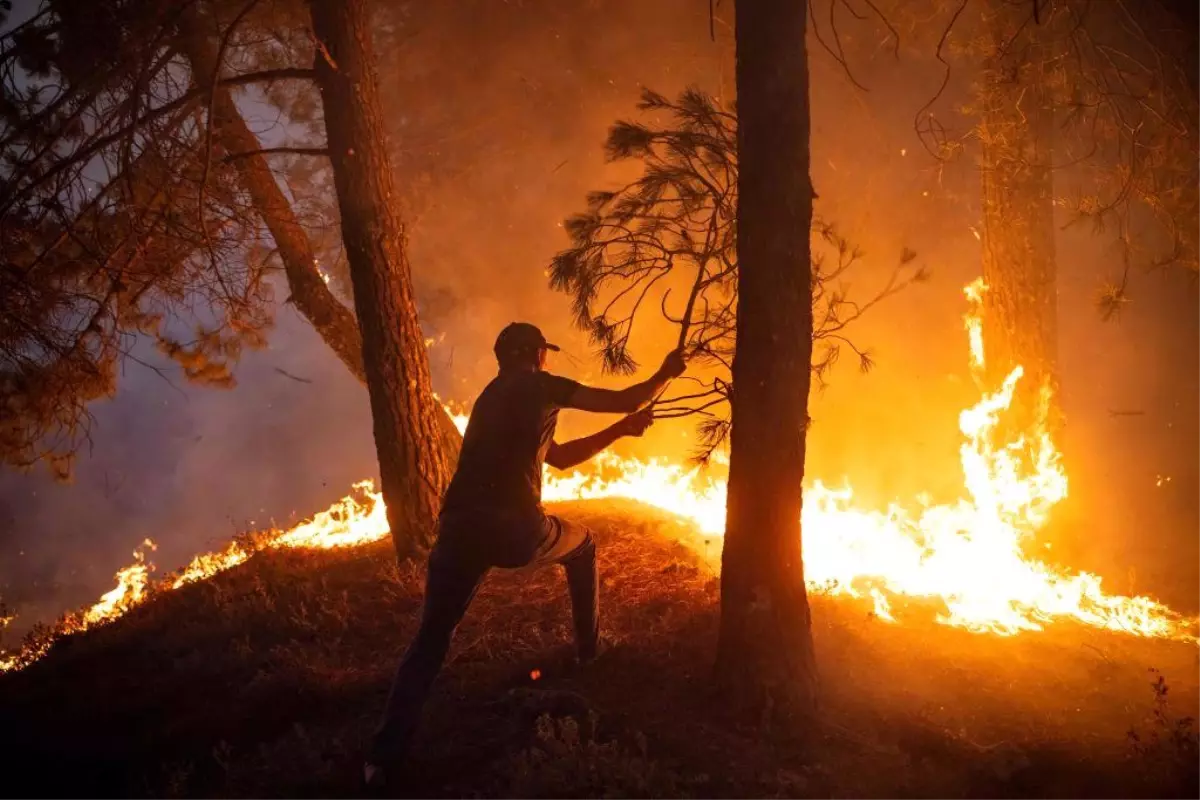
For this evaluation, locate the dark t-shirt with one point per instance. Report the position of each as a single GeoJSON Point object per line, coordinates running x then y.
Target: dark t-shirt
{"type": "Point", "coordinates": [511, 428]}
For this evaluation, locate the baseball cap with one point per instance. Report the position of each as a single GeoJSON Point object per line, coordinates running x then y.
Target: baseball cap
{"type": "Point", "coordinates": [520, 337]}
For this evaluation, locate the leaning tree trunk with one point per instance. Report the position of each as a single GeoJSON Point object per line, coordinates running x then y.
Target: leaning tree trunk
{"type": "Point", "coordinates": [414, 471]}
{"type": "Point", "coordinates": [1020, 316]}
{"type": "Point", "coordinates": [765, 652]}
{"type": "Point", "coordinates": [309, 293]}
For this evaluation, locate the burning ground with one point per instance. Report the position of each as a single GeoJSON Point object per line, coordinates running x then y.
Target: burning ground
{"type": "Point", "coordinates": [970, 558]}
{"type": "Point", "coordinates": [266, 679]}
{"type": "Point", "coordinates": [953, 661]}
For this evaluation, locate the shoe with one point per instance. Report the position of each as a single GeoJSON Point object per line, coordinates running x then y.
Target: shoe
{"type": "Point", "coordinates": [374, 776]}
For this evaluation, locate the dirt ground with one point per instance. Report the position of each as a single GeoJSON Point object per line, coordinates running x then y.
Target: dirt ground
{"type": "Point", "coordinates": [267, 681]}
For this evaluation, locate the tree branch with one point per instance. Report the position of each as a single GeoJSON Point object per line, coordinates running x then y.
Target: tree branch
{"type": "Point", "coordinates": [214, 87]}
{"type": "Point", "coordinates": [185, 100]}
{"type": "Point", "coordinates": [270, 151]}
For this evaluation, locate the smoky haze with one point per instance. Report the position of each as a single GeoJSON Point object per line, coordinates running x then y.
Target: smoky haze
{"type": "Point", "coordinates": [521, 107]}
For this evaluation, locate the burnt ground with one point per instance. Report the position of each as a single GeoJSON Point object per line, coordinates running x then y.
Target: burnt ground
{"type": "Point", "coordinates": [266, 681]}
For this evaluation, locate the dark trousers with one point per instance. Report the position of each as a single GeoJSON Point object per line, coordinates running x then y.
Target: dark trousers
{"type": "Point", "coordinates": [465, 551]}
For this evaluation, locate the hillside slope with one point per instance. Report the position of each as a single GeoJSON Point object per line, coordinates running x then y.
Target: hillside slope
{"type": "Point", "coordinates": [267, 679]}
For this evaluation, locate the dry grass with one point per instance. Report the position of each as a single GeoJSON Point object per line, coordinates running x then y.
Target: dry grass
{"type": "Point", "coordinates": [267, 680]}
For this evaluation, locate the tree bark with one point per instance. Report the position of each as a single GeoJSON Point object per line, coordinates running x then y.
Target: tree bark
{"type": "Point", "coordinates": [765, 653]}
{"type": "Point", "coordinates": [414, 471]}
{"type": "Point", "coordinates": [333, 321]}
{"type": "Point", "coordinates": [1020, 318]}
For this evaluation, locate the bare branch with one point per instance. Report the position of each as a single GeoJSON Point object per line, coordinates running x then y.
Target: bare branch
{"type": "Point", "coordinates": [184, 101]}
{"type": "Point", "coordinates": [271, 151]}
{"type": "Point", "coordinates": [920, 120]}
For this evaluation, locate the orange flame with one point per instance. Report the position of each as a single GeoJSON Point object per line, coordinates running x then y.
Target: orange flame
{"type": "Point", "coordinates": [133, 588]}
{"type": "Point", "coordinates": [966, 556]}
{"type": "Point", "coordinates": [132, 583]}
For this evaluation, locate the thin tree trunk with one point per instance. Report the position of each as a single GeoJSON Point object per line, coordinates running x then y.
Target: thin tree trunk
{"type": "Point", "coordinates": [333, 321]}
{"type": "Point", "coordinates": [1020, 306]}
{"type": "Point", "coordinates": [414, 471]}
{"type": "Point", "coordinates": [765, 652]}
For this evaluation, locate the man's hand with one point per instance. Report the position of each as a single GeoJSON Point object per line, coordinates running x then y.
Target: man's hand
{"type": "Point", "coordinates": [636, 424]}
{"type": "Point", "coordinates": [673, 365]}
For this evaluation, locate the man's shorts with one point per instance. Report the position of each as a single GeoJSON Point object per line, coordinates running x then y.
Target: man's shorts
{"type": "Point", "coordinates": [511, 541]}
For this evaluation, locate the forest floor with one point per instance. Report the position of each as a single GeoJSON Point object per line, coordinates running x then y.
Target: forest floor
{"type": "Point", "coordinates": [267, 681]}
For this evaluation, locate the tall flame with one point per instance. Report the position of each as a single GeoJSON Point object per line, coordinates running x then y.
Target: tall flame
{"type": "Point", "coordinates": [967, 557]}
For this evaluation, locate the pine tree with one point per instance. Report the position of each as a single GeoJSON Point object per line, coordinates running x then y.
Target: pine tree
{"type": "Point", "coordinates": [308, 288]}
{"type": "Point", "coordinates": [765, 649]}
{"type": "Point", "coordinates": [1016, 140]}
{"type": "Point", "coordinates": [667, 241]}
{"type": "Point", "coordinates": [215, 160]}
{"type": "Point", "coordinates": [414, 472]}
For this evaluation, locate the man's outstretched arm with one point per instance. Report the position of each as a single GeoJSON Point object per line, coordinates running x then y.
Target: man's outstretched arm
{"type": "Point", "coordinates": [577, 451]}
{"type": "Point", "coordinates": [629, 399]}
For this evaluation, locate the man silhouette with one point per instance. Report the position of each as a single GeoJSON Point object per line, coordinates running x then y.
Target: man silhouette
{"type": "Point", "coordinates": [492, 515]}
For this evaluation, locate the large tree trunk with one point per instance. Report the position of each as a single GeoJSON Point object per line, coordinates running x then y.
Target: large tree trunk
{"type": "Point", "coordinates": [413, 469]}
{"type": "Point", "coordinates": [765, 652]}
{"type": "Point", "coordinates": [1020, 306]}
{"type": "Point", "coordinates": [309, 293]}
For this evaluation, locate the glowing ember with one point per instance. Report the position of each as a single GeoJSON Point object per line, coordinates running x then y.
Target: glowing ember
{"type": "Point", "coordinates": [966, 557]}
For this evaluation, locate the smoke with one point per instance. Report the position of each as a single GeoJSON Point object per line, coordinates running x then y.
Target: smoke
{"type": "Point", "coordinates": [188, 468]}
{"type": "Point", "coordinates": [511, 124]}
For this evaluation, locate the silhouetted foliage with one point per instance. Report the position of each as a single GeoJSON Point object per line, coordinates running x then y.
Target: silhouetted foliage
{"type": "Point", "coordinates": [115, 227]}
{"type": "Point", "coordinates": [135, 202]}
{"type": "Point", "coordinates": [678, 218]}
